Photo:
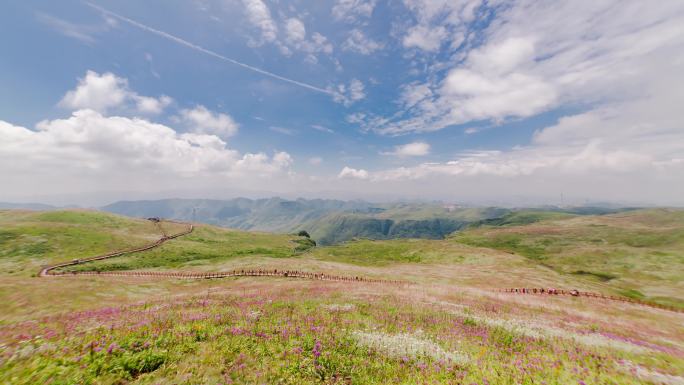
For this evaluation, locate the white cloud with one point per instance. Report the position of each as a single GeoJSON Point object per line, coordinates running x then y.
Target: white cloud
{"type": "Point", "coordinates": [91, 153]}
{"type": "Point", "coordinates": [349, 94]}
{"type": "Point", "coordinates": [410, 149]}
{"type": "Point", "coordinates": [414, 93]}
{"type": "Point", "coordinates": [85, 33]}
{"type": "Point", "coordinates": [203, 121]}
{"type": "Point", "coordinates": [315, 161]}
{"type": "Point", "coordinates": [358, 42]}
{"type": "Point", "coordinates": [353, 10]}
{"type": "Point", "coordinates": [425, 38]}
{"type": "Point", "coordinates": [90, 141]}
{"type": "Point", "coordinates": [103, 92]}
{"type": "Point", "coordinates": [628, 151]}
{"type": "Point", "coordinates": [148, 105]}
{"type": "Point", "coordinates": [318, 127]}
{"type": "Point", "coordinates": [295, 36]}
{"type": "Point", "coordinates": [98, 92]}
{"type": "Point", "coordinates": [295, 30]}
{"type": "Point", "coordinates": [352, 173]}
{"type": "Point", "coordinates": [438, 22]}
{"type": "Point", "coordinates": [620, 61]}
{"type": "Point", "coordinates": [282, 130]}
{"type": "Point", "coordinates": [527, 65]}
{"type": "Point", "coordinates": [259, 16]}
{"type": "Point", "coordinates": [471, 130]}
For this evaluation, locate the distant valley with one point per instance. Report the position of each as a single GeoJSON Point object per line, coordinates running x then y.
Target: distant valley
{"type": "Point", "coordinates": [329, 221]}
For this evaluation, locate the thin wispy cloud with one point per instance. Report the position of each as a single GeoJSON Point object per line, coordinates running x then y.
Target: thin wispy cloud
{"type": "Point", "coordinates": [206, 51]}
{"type": "Point", "coordinates": [318, 127]}
{"type": "Point", "coordinates": [282, 130]}
{"type": "Point", "coordinates": [83, 33]}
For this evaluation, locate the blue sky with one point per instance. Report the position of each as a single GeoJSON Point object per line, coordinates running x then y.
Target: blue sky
{"type": "Point", "coordinates": [468, 100]}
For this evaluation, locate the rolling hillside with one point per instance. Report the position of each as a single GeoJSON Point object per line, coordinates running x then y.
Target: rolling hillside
{"type": "Point", "coordinates": [640, 253]}
{"type": "Point", "coordinates": [446, 325]}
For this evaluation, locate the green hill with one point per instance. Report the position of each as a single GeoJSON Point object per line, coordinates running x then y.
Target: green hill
{"type": "Point", "coordinates": [640, 253]}
{"type": "Point", "coordinates": [30, 239]}
{"type": "Point", "coordinates": [448, 325]}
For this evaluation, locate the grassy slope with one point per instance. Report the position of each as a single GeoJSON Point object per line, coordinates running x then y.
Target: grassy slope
{"type": "Point", "coordinates": [267, 330]}
{"type": "Point", "coordinates": [206, 245]}
{"type": "Point", "coordinates": [637, 253]}
{"type": "Point", "coordinates": [29, 239]}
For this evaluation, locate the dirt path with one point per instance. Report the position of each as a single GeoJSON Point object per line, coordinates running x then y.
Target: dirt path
{"type": "Point", "coordinates": [48, 271]}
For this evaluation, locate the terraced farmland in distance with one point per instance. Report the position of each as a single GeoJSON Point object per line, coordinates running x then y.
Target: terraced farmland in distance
{"type": "Point", "coordinates": [446, 326]}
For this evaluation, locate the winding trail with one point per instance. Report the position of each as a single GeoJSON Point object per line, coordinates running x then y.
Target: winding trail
{"type": "Point", "coordinates": [577, 293]}
{"type": "Point", "coordinates": [49, 271]}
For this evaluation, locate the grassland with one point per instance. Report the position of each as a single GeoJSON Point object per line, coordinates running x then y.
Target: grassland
{"type": "Point", "coordinates": [637, 253]}
{"type": "Point", "coordinates": [447, 327]}
{"type": "Point", "coordinates": [30, 239]}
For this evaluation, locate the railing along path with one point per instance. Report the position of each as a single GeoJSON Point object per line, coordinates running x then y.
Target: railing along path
{"type": "Point", "coordinates": [577, 293]}
{"type": "Point", "coordinates": [49, 271]}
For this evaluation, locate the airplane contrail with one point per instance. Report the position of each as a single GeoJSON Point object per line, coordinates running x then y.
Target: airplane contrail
{"type": "Point", "coordinates": [196, 47]}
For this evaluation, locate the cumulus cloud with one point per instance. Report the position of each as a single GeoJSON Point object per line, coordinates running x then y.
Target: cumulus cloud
{"type": "Point", "coordinates": [104, 92]}
{"type": "Point", "coordinates": [634, 144]}
{"type": "Point", "coordinates": [89, 149]}
{"type": "Point", "coordinates": [425, 38]}
{"type": "Point", "coordinates": [349, 94]}
{"type": "Point", "coordinates": [295, 34]}
{"type": "Point", "coordinates": [410, 149]}
{"type": "Point", "coordinates": [353, 10]}
{"type": "Point", "coordinates": [352, 173]}
{"type": "Point", "coordinates": [296, 31]}
{"type": "Point", "coordinates": [201, 120]}
{"type": "Point", "coordinates": [527, 65]}
{"type": "Point", "coordinates": [259, 16]}
{"type": "Point", "coordinates": [438, 22]}
{"type": "Point", "coordinates": [358, 42]}
{"type": "Point", "coordinates": [621, 62]}
{"type": "Point", "coordinates": [154, 106]}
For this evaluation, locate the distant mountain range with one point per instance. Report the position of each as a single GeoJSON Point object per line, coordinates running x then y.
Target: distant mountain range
{"type": "Point", "coordinates": [25, 206]}
{"type": "Point", "coordinates": [330, 221]}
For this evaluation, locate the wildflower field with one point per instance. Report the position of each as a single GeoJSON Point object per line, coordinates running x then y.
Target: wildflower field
{"type": "Point", "coordinates": [445, 325]}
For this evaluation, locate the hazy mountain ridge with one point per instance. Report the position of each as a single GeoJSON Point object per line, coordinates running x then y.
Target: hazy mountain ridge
{"type": "Point", "coordinates": [25, 206]}
{"type": "Point", "coordinates": [329, 221]}
{"type": "Point", "coordinates": [332, 221]}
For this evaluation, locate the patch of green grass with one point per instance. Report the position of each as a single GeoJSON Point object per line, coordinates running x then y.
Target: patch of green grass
{"type": "Point", "coordinates": [382, 253]}
{"type": "Point", "coordinates": [511, 243]}
{"type": "Point", "coordinates": [205, 245]}
{"type": "Point", "coordinates": [524, 217]}
{"type": "Point", "coordinates": [634, 249]}
{"type": "Point", "coordinates": [632, 293]}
